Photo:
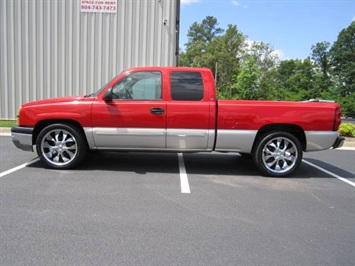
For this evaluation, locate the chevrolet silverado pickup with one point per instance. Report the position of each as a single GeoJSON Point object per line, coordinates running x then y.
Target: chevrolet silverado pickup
{"type": "Point", "coordinates": [173, 109]}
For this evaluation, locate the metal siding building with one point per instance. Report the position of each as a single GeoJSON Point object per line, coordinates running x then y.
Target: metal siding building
{"type": "Point", "coordinates": [49, 48]}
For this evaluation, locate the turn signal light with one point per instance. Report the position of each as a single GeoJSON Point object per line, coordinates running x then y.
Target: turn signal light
{"type": "Point", "coordinates": [18, 116]}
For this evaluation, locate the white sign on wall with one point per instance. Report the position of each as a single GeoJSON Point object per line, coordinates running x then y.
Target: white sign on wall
{"type": "Point", "coordinates": [98, 6]}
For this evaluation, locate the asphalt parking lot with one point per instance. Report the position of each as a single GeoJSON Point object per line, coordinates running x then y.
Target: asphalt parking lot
{"type": "Point", "coordinates": [170, 209]}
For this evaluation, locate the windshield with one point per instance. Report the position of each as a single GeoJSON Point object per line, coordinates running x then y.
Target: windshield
{"type": "Point", "coordinates": [94, 94]}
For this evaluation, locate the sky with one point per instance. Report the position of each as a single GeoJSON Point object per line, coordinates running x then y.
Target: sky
{"type": "Point", "coordinates": [290, 26]}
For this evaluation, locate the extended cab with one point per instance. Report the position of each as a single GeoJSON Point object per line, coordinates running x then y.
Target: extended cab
{"type": "Point", "coordinates": [175, 109]}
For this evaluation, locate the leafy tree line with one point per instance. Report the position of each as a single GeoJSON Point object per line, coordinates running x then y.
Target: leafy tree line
{"type": "Point", "coordinates": [252, 70]}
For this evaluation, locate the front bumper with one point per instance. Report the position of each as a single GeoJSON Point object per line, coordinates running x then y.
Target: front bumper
{"type": "Point", "coordinates": [22, 137]}
{"type": "Point", "coordinates": [338, 142]}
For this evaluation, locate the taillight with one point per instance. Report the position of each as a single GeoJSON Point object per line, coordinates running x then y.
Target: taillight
{"type": "Point", "coordinates": [337, 119]}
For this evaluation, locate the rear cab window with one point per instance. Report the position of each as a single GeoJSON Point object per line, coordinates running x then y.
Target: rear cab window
{"type": "Point", "coordinates": [186, 86]}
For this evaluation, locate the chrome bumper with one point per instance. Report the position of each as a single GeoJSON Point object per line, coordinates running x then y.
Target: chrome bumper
{"type": "Point", "coordinates": [22, 137]}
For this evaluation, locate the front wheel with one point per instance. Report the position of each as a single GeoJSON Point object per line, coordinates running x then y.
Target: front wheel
{"type": "Point", "coordinates": [61, 146]}
{"type": "Point", "coordinates": [278, 154]}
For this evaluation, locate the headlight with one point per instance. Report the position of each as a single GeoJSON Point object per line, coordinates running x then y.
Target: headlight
{"type": "Point", "coordinates": [18, 116]}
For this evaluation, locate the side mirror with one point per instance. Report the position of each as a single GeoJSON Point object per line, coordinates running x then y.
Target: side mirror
{"type": "Point", "coordinates": [107, 96]}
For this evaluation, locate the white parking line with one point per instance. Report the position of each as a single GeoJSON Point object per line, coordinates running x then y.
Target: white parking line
{"type": "Point", "coordinates": [330, 173]}
{"type": "Point", "coordinates": [184, 181]}
{"type": "Point", "coordinates": [18, 167]}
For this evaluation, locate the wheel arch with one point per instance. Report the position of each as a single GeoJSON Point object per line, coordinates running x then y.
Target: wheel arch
{"type": "Point", "coordinates": [295, 130]}
{"type": "Point", "coordinates": [44, 123]}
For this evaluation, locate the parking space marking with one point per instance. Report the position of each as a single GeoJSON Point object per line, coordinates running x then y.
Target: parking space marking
{"type": "Point", "coordinates": [18, 167]}
{"type": "Point", "coordinates": [330, 173]}
{"type": "Point", "coordinates": [184, 181]}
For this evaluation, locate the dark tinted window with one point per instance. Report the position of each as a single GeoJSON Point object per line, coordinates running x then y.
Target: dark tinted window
{"type": "Point", "coordinates": [186, 86]}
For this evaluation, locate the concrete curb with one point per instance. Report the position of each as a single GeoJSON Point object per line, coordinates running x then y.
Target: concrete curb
{"type": "Point", "coordinates": [349, 143]}
{"type": "Point", "coordinates": [5, 131]}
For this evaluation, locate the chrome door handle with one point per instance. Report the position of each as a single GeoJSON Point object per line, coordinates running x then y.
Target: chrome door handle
{"type": "Point", "coordinates": [157, 111]}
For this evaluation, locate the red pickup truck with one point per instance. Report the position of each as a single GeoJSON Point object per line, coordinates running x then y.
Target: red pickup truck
{"type": "Point", "coordinates": [175, 109]}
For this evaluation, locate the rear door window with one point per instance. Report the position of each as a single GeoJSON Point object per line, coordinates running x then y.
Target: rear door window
{"type": "Point", "coordinates": [186, 86]}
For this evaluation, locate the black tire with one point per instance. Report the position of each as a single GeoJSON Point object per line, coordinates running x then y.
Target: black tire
{"type": "Point", "coordinates": [278, 154]}
{"type": "Point", "coordinates": [61, 146]}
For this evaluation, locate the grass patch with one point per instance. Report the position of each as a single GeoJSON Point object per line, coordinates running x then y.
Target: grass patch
{"type": "Point", "coordinates": [8, 123]}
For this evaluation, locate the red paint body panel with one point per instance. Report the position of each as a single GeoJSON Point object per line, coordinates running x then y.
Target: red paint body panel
{"type": "Point", "coordinates": [70, 108]}
{"type": "Point", "coordinates": [232, 114]}
{"type": "Point", "coordinates": [315, 116]}
{"type": "Point", "coordinates": [185, 115]}
{"type": "Point", "coordinates": [127, 114]}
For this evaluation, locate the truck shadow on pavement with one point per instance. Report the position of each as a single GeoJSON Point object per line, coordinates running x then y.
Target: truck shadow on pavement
{"type": "Point", "coordinates": [331, 168]}
{"type": "Point", "coordinates": [228, 164]}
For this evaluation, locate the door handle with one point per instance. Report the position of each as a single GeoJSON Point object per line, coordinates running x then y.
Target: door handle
{"type": "Point", "coordinates": [157, 111]}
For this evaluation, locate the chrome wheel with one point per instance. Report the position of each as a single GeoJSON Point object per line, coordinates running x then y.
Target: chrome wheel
{"type": "Point", "coordinates": [279, 155]}
{"type": "Point", "coordinates": [59, 147]}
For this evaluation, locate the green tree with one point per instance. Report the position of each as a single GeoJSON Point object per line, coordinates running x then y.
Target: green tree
{"type": "Point", "coordinates": [256, 78]}
{"type": "Point", "coordinates": [200, 36]}
{"type": "Point", "coordinates": [266, 60]}
{"type": "Point", "coordinates": [204, 32]}
{"type": "Point", "coordinates": [320, 54]}
{"type": "Point", "coordinates": [343, 61]}
{"type": "Point", "coordinates": [248, 70]}
{"type": "Point", "coordinates": [323, 82]}
{"type": "Point", "coordinates": [248, 80]}
{"type": "Point", "coordinates": [227, 51]}
{"type": "Point", "coordinates": [295, 80]}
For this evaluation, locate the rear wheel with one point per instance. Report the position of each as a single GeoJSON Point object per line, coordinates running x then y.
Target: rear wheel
{"type": "Point", "coordinates": [61, 146]}
{"type": "Point", "coordinates": [278, 154]}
